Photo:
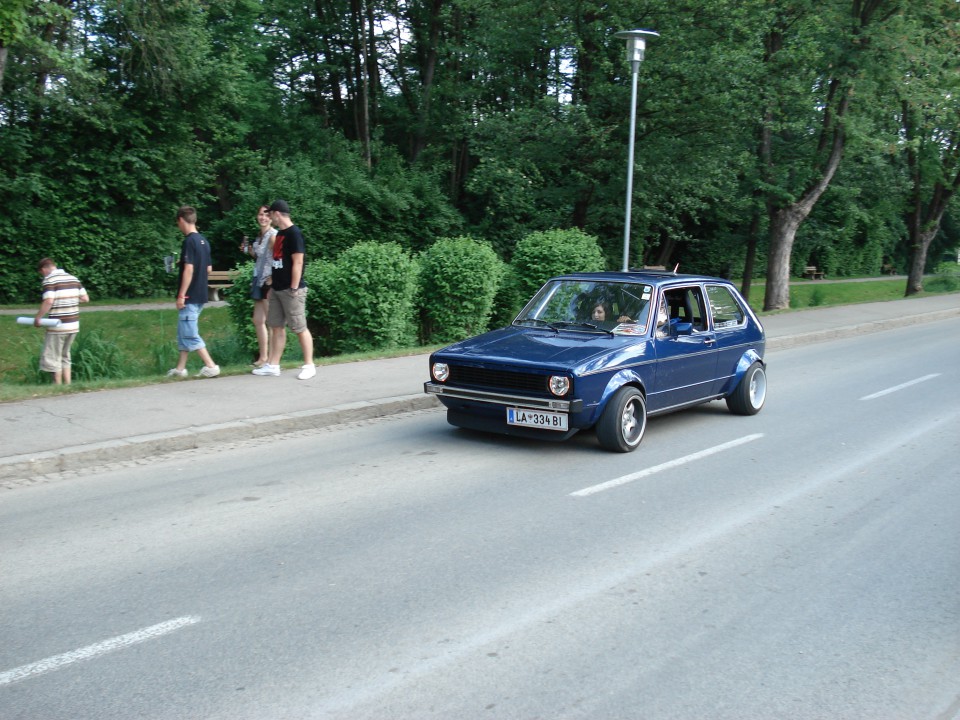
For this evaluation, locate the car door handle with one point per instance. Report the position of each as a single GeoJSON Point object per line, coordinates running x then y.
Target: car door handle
{"type": "Point", "coordinates": [709, 340]}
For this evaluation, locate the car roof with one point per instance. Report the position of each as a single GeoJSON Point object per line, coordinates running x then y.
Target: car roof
{"type": "Point", "coordinates": [651, 277]}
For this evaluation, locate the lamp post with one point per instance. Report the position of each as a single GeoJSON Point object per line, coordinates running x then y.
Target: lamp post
{"type": "Point", "coordinates": [636, 44]}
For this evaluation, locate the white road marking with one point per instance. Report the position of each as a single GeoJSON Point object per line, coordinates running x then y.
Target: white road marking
{"type": "Point", "coordinates": [90, 651]}
{"type": "Point", "coordinates": [900, 387]}
{"type": "Point", "coordinates": [665, 466]}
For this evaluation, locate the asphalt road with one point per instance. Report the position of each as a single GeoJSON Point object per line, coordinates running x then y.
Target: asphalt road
{"type": "Point", "coordinates": [802, 563]}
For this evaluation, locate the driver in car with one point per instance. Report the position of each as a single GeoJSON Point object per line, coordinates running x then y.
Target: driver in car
{"type": "Point", "coordinates": [600, 313]}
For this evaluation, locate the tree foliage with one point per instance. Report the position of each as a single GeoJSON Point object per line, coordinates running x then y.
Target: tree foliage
{"type": "Point", "coordinates": [769, 135]}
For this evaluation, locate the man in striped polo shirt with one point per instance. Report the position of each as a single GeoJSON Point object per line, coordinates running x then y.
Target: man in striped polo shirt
{"type": "Point", "coordinates": [62, 295]}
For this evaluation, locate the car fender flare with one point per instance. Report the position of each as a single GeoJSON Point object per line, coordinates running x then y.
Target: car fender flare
{"type": "Point", "coordinates": [747, 359]}
{"type": "Point", "coordinates": [619, 380]}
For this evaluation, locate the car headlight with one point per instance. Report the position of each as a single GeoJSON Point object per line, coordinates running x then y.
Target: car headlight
{"type": "Point", "coordinates": [440, 372]}
{"type": "Point", "coordinates": [559, 385]}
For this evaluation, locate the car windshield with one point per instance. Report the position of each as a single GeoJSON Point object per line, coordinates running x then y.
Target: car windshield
{"type": "Point", "coordinates": [601, 306]}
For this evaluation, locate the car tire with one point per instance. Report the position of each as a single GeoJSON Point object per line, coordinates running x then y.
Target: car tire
{"type": "Point", "coordinates": [749, 395]}
{"type": "Point", "coordinates": [624, 420]}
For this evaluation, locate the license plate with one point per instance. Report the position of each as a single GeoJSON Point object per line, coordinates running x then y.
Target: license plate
{"type": "Point", "coordinates": [537, 419]}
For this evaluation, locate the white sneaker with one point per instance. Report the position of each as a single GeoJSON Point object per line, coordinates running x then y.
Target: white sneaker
{"type": "Point", "coordinates": [209, 372]}
{"type": "Point", "coordinates": [307, 372]}
{"type": "Point", "coordinates": [173, 372]}
{"type": "Point", "coordinates": [267, 369]}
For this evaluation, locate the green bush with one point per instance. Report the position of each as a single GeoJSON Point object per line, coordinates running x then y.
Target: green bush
{"type": "Point", "coordinates": [365, 299]}
{"type": "Point", "coordinates": [241, 308]}
{"type": "Point", "coordinates": [508, 301]}
{"type": "Point", "coordinates": [542, 255]}
{"type": "Point", "coordinates": [945, 282]}
{"type": "Point", "coordinates": [94, 358]}
{"type": "Point", "coordinates": [459, 278]}
{"type": "Point", "coordinates": [322, 317]}
{"type": "Point", "coordinates": [947, 267]}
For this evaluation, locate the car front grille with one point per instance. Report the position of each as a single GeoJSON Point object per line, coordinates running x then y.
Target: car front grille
{"type": "Point", "coordinates": [474, 377]}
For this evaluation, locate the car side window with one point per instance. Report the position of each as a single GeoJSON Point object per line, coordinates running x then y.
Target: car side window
{"type": "Point", "coordinates": [724, 308]}
{"type": "Point", "coordinates": [685, 305]}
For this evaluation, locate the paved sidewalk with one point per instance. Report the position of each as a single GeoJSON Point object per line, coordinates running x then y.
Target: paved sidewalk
{"type": "Point", "coordinates": [70, 432]}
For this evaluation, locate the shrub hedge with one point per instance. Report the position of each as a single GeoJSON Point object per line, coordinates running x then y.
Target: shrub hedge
{"type": "Point", "coordinates": [459, 278]}
{"type": "Point", "coordinates": [241, 307]}
{"type": "Point", "coordinates": [365, 299]}
{"type": "Point", "coordinates": [375, 296]}
{"type": "Point", "coordinates": [542, 255]}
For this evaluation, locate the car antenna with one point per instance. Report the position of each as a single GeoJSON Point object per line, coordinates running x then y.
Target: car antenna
{"type": "Point", "coordinates": [675, 268]}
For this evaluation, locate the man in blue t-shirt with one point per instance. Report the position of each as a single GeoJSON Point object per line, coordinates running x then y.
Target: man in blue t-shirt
{"type": "Point", "coordinates": [288, 294]}
{"type": "Point", "coordinates": [191, 295]}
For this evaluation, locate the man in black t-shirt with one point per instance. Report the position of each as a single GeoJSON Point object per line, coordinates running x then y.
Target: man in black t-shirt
{"type": "Point", "coordinates": [288, 294]}
{"type": "Point", "coordinates": [191, 295]}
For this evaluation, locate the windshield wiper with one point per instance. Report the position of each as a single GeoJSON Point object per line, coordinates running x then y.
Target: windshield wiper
{"type": "Point", "coordinates": [538, 321]}
{"type": "Point", "coordinates": [588, 326]}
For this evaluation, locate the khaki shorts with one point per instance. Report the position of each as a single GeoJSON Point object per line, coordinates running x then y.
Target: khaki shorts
{"type": "Point", "coordinates": [56, 351]}
{"type": "Point", "coordinates": [288, 307]}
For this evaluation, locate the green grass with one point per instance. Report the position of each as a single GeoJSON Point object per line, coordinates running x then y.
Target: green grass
{"type": "Point", "coordinates": [113, 347]}
{"type": "Point", "coordinates": [132, 348]}
{"type": "Point", "coordinates": [137, 347]}
{"type": "Point", "coordinates": [823, 293]}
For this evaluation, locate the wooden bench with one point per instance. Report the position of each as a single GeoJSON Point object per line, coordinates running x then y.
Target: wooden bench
{"type": "Point", "coordinates": [217, 280]}
{"type": "Point", "coordinates": [811, 271]}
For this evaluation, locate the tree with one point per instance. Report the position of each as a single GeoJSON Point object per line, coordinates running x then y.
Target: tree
{"type": "Point", "coordinates": [409, 120]}
{"type": "Point", "coordinates": [805, 118]}
{"type": "Point", "coordinates": [929, 92]}
{"type": "Point", "coordinates": [13, 24]}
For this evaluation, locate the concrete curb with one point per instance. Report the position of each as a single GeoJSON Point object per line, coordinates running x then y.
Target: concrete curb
{"type": "Point", "coordinates": [807, 338]}
{"type": "Point", "coordinates": [18, 469]}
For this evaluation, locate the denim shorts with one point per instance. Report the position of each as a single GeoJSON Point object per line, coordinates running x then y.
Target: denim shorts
{"type": "Point", "coordinates": [188, 331]}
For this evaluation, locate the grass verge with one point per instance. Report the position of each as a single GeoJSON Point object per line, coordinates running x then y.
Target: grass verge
{"type": "Point", "coordinates": [137, 347]}
{"type": "Point", "coordinates": [824, 293]}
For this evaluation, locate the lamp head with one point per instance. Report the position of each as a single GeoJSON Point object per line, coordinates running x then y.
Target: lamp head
{"type": "Point", "coordinates": [636, 43]}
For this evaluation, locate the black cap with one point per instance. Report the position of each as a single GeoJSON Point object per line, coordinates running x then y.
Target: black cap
{"type": "Point", "coordinates": [280, 206]}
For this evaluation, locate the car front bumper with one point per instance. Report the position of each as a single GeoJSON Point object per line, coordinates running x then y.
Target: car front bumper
{"type": "Point", "coordinates": [504, 399]}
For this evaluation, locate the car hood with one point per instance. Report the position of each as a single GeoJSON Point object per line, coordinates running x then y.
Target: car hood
{"type": "Point", "coordinates": [523, 347]}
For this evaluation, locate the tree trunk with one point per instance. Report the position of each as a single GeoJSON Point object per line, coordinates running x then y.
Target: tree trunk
{"type": "Point", "coordinates": [328, 79]}
{"type": "Point", "coordinates": [361, 106]}
{"type": "Point", "coordinates": [783, 230]}
{"type": "Point", "coordinates": [427, 72]}
{"type": "Point", "coordinates": [923, 229]}
{"type": "Point", "coordinates": [918, 259]}
{"type": "Point", "coordinates": [667, 246]}
{"type": "Point", "coordinates": [750, 262]}
{"type": "Point", "coordinates": [3, 64]}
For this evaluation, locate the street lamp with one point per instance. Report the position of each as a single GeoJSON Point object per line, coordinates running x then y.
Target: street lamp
{"type": "Point", "coordinates": [635, 47]}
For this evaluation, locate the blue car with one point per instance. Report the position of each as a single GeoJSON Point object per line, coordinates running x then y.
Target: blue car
{"type": "Point", "coordinates": [606, 351]}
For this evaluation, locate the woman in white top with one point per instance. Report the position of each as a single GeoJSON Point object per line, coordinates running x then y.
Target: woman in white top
{"type": "Point", "coordinates": [262, 250]}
